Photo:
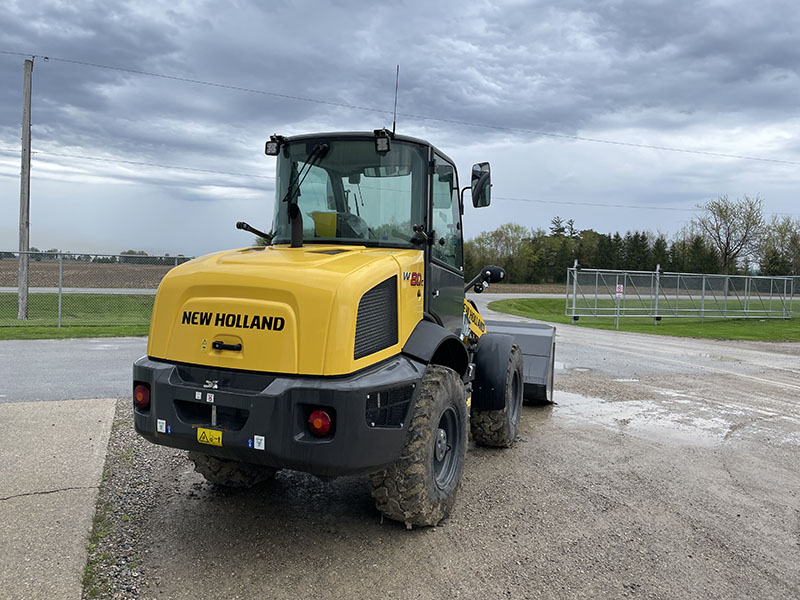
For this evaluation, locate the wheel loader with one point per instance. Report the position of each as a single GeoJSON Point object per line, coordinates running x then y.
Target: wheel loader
{"type": "Point", "coordinates": [345, 344]}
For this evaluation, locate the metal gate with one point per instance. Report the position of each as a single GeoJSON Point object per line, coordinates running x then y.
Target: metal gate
{"type": "Point", "coordinates": [656, 294]}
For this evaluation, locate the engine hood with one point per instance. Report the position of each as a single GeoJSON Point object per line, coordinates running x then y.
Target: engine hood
{"type": "Point", "coordinates": [282, 310]}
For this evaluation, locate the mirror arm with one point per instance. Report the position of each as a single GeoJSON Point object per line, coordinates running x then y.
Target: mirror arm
{"type": "Point", "coordinates": [484, 278]}
{"type": "Point", "coordinates": [475, 280]}
{"type": "Point", "coordinates": [246, 227]}
{"type": "Point", "coordinates": [461, 197]}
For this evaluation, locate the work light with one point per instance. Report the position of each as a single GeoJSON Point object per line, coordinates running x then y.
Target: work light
{"type": "Point", "coordinates": [382, 141]}
{"type": "Point", "coordinates": [273, 146]}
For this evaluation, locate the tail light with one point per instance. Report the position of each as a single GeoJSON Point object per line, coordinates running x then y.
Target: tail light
{"type": "Point", "coordinates": [319, 423]}
{"type": "Point", "coordinates": [141, 396]}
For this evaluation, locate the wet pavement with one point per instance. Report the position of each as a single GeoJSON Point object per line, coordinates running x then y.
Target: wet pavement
{"type": "Point", "coordinates": [666, 469]}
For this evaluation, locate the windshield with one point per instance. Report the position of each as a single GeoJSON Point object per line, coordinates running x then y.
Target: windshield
{"type": "Point", "coordinates": [352, 194]}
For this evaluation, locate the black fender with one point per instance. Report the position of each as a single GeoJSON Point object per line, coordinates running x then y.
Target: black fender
{"type": "Point", "coordinates": [433, 344]}
{"type": "Point", "coordinates": [491, 366]}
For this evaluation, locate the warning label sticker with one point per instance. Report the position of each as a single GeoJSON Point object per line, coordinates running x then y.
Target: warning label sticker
{"type": "Point", "coordinates": [212, 437]}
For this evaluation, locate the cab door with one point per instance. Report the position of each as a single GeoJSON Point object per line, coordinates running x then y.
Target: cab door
{"type": "Point", "coordinates": [445, 285]}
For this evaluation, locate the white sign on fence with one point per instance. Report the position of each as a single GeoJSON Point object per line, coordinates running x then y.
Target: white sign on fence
{"type": "Point", "coordinates": [620, 290]}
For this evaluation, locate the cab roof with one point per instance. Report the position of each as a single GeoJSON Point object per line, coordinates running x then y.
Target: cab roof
{"type": "Point", "coordinates": [363, 135]}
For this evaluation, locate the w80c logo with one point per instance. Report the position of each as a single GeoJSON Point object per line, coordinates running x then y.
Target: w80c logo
{"type": "Point", "coordinates": [413, 278]}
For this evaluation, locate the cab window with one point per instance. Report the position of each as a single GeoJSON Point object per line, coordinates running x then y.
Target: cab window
{"type": "Point", "coordinates": [447, 243]}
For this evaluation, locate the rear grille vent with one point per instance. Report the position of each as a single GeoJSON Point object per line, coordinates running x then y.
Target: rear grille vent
{"type": "Point", "coordinates": [195, 413]}
{"type": "Point", "coordinates": [221, 380]}
{"type": "Point", "coordinates": [389, 407]}
{"type": "Point", "coordinates": [376, 323]}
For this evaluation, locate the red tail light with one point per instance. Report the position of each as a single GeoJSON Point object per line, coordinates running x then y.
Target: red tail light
{"type": "Point", "coordinates": [319, 423]}
{"type": "Point", "coordinates": [141, 396]}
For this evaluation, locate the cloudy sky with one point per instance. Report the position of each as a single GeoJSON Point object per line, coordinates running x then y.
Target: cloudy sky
{"type": "Point", "coordinates": [537, 88]}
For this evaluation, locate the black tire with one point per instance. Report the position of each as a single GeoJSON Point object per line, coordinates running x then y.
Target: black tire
{"type": "Point", "coordinates": [420, 487]}
{"type": "Point", "coordinates": [230, 473]}
{"type": "Point", "coordinates": [499, 427]}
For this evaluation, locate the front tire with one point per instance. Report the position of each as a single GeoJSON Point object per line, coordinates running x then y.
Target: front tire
{"type": "Point", "coordinates": [420, 487]}
{"type": "Point", "coordinates": [499, 427]}
{"type": "Point", "coordinates": [229, 473]}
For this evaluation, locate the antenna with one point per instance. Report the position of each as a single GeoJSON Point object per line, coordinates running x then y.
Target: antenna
{"type": "Point", "coordinates": [396, 84]}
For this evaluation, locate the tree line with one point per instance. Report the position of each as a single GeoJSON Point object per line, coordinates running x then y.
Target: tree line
{"type": "Point", "coordinates": [726, 236]}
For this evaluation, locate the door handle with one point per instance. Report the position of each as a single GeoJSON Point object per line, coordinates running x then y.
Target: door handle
{"type": "Point", "coordinates": [224, 346]}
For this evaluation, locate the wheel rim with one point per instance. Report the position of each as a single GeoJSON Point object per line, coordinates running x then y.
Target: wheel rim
{"type": "Point", "coordinates": [446, 441]}
{"type": "Point", "coordinates": [516, 397]}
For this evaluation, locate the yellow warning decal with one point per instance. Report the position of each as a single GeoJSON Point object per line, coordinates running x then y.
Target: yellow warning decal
{"type": "Point", "coordinates": [473, 320]}
{"type": "Point", "coordinates": [212, 437]}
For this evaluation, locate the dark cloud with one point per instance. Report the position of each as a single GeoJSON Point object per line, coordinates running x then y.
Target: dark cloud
{"type": "Point", "coordinates": [717, 76]}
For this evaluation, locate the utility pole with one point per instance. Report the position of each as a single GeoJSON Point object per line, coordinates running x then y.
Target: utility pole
{"type": "Point", "coordinates": [25, 195]}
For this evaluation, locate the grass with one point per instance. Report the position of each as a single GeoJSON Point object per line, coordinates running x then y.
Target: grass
{"type": "Point", "coordinates": [93, 584]}
{"type": "Point", "coordinates": [82, 315]}
{"type": "Point", "coordinates": [552, 310]}
{"type": "Point", "coordinates": [41, 333]}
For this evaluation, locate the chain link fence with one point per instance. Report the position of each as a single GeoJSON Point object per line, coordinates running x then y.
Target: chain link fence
{"type": "Point", "coordinates": [656, 294]}
{"type": "Point", "coordinates": [78, 289]}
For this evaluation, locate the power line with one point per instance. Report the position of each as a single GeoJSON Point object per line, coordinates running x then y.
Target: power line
{"type": "Point", "coordinates": [139, 163]}
{"type": "Point", "coordinates": [201, 82]}
{"type": "Point", "coordinates": [411, 115]}
{"type": "Point", "coordinates": [672, 208]}
{"type": "Point", "coordinates": [179, 168]}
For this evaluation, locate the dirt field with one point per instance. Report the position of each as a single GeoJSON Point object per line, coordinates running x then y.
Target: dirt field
{"type": "Point", "coordinates": [79, 274]}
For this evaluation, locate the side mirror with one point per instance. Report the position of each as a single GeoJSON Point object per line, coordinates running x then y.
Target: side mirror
{"type": "Point", "coordinates": [489, 274]}
{"type": "Point", "coordinates": [493, 274]}
{"type": "Point", "coordinates": [481, 185]}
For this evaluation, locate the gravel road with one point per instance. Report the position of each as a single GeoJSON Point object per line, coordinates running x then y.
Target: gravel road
{"type": "Point", "coordinates": [666, 469]}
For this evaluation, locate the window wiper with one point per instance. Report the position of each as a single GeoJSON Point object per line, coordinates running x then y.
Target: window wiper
{"type": "Point", "coordinates": [317, 152]}
{"type": "Point", "coordinates": [295, 217]}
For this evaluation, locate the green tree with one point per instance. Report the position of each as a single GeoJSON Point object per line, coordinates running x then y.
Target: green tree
{"type": "Point", "coordinates": [773, 262]}
{"type": "Point", "coordinates": [557, 227]}
{"type": "Point", "coordinates": [605, 252]}
{"type": "Point", "coordinates": [701, 257]}
{"type": "Point", "coordinates": [777, 254]}
{"type": "Point", "coordinates": [570, 230]}
{"type": "Point", "coordinates": [589, 248]}
{"type": "Point", "coordinates": [507, 246]}
{"type": "Point", "coordinates": [617, 249]}
{"type": "Point", "coordinates": [734, 228]}
{"type": "Point", "coordinates": [635, 251]}
{"type": "Point", "coordinates": [659, 254]}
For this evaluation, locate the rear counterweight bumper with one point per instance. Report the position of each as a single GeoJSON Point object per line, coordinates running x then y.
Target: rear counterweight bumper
{"type": "Point", "coordinates": [263, 418]}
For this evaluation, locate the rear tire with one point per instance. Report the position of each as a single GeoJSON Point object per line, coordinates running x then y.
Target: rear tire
{"type": "Point", "coordinates": [229, 473]}
{"type": "Point", "coordinates": [499, 427]}
{"type": "Point", "coordinates": [420, 487]}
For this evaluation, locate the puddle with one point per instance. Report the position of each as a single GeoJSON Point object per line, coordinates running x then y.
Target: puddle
{"type": "Point", "coordinates": [626, 380]}
{"type": "Point", "coordinates": [675, 394]}
{"type": "Point", "coordinates": [699, 426]}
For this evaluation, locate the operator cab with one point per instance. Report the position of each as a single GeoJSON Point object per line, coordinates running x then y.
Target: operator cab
{"type": "Point", "coordinates": [382, 190]}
